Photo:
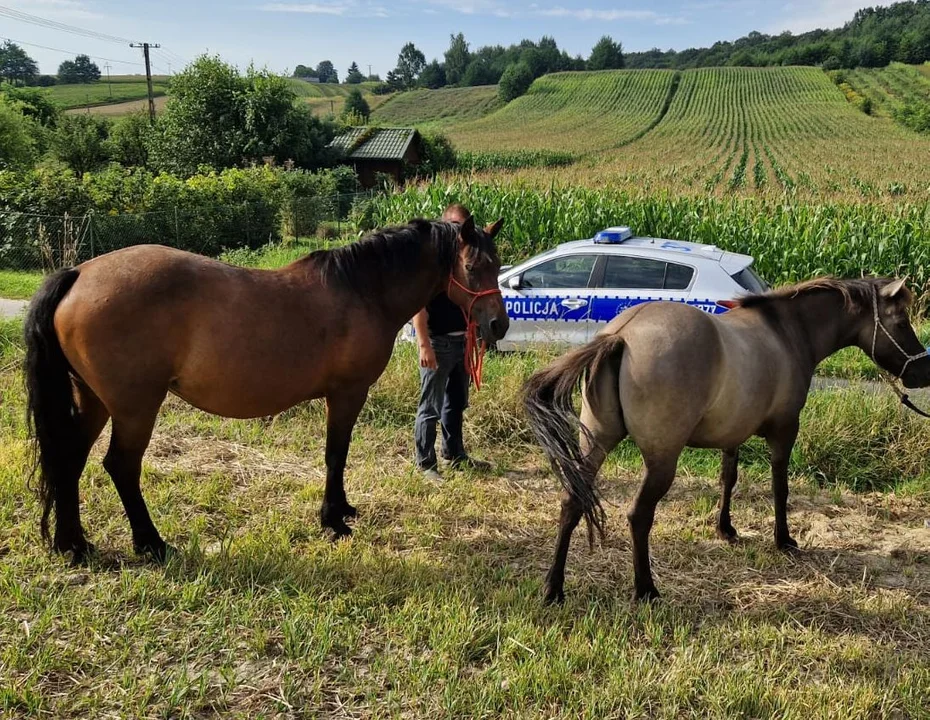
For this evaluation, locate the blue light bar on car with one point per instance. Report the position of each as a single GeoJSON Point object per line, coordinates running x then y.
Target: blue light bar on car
{"type": "Point", "coordinates": [613, 235]}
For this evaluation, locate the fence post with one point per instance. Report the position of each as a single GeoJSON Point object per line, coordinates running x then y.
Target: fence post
{"type": "Point", "coordinates": [90, 231]}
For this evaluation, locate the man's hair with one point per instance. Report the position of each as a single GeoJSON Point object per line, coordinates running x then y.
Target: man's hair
{"type": "Point", "coordinates": [456, 212]}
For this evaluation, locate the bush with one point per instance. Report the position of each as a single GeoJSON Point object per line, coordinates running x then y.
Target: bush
{"type": "Point", "coordinates": [130, 140]}
{"type": "Point", "coordinates": [356, 106]}
{"type": "Point", "coordinates": [515, 81]}
{"type": "Point", "coordinates": [17, 136]}
{"type": "Point", "coordinates": [80, 142]}
{"type": "Point", "coordinates": [438, 154]}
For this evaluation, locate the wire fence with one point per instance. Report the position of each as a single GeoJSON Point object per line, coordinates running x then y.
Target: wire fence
{"type": "Point", "coordinates": [33, 242]}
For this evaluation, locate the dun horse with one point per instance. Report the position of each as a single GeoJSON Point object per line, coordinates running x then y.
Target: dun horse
{"type": "Point", "coordinates": [110, 338]}
{"type": "Point", "coordinates": [671, 376]}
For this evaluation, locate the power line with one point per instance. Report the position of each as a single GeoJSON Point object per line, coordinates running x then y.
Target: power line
{"type": "Point", "coordinates": [71, 52]}
{"type": "Point", "coordinates": [55, 25]}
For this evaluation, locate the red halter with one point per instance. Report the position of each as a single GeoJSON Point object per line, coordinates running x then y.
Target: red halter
{"type": "Point", "coordinates": [474, 353]}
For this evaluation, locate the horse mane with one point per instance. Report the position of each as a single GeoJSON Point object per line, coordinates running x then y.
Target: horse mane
{"type": "Point", "coordinates": [856, 292]}
{"type": "Point", "coordinates": [367, 266]}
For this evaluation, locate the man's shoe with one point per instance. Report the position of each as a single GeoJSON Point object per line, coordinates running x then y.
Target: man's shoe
{"type": "Point", "coordinates": [430, 473]}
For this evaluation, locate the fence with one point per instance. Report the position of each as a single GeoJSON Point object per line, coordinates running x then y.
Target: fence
{"type": "Point", "coordinates": [47, 242]}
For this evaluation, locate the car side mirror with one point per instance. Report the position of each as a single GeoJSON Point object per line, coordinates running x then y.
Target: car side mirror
{"type": "Point", "coordinates": [514, 283]}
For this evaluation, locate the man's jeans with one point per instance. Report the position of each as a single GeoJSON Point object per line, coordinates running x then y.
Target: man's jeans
{"type": "Point", "coordinates": [443, 397]}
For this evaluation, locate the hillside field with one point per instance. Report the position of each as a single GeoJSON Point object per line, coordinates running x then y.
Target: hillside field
{"type": "Point", "coordinates": [120, 89]}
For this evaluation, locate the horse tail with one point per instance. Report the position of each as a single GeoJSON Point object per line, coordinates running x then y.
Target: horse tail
{"type": "Point", "coordinates": [548, 399]}
{"type": "Point", "coordinates": [51, 411]}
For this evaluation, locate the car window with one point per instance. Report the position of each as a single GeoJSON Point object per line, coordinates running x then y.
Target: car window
{"type": "Point", "coordinates": [644, 274]}
{"type": "Point", "coordinates": [572, 271]}
{"type": "Point", "coordinates": [748, 280]}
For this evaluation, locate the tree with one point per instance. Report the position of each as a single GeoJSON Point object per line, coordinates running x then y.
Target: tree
{"type": "Point", "coordinates": [410, 63]}
{"type": "Point", "coordinates": [354, 76]}
{"type": "Point", "coordinates": [16, 136]}
{"type": "Point", "coordinates": [80, 142]}
{"type": "Point", "coordinates": [130, 139]}
{"type": "Point", "coordinates": [80, 70]}
{"type": "Point", "coordinates": [515, 81]}
{"type": "Point", "coordinates": [480, 72]}
{"type": "Point", "coordinates": [33, 103]}
{"type": "Point", "coordinates": [393, 82]}
{"type": "Point", "coordinates": [606, 55]}
{"type": "Point", "coordinates": [217, 117]}
{"type": "Point", "coordinates": [457, 58]}
{"type": "Point", "coordinates": [433, 76]}
{"type": "Point", "coordinates": [16, 67]}
{"type": "Point", "coordinates": [326, 72]}
{"type": "Point", "coordinates": [356, 106]}
{"type": "Point", "coordinates": [302, 71]}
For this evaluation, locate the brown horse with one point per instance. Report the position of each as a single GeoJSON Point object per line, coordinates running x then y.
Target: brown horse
{"type": "Point", "coordinates": [110, 338]}
{"type": "Point", "coordinates": [671, 376]}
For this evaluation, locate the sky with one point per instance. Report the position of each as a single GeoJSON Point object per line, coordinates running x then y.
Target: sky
{"type": "Point", "coordinates": [281, 34]}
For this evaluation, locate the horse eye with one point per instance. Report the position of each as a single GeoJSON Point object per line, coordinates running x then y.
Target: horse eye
{"type": "Point", "coordinates": [468, 267]}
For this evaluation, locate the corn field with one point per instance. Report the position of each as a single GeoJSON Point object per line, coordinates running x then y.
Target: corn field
{"type": "Point", "coordinates": [575, 112]}
{"type": "Point", "coordinates": [789, 241]}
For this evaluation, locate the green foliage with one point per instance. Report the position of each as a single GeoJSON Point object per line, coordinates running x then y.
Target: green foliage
{"type": "Point", "coordinates": [80, 70]}
{"type": "Point", "coordinates": [914, 115]}
{"type": "Point", "coordinates": [220, 119]}
{"type": "Point", "coordinates": [873, 37]}
{"type": "Point", "coordinates": [16, 67]}
{"type": "Point", "coordinates": [606, 55]}
{"type": "Point", "coordinates": [457, 58]}
{"type": "Point", "coordinates": [515, 81]}
{"type": "Point", "coordinates": [511, 160]}
{"type": "Point", "coordinates": [438, 154]}
{"type": "Point", "coordinates": [354, 75]}
{"type": "Point", "coordinates": [442, 105]}
{"type": "Point", "coordinates": [433, 76]}
{"type": "Point", "coordinates": [326, 72]}
{"type": "Point", "coordinates": [410, 63]}
{"type": "Point", "coordinates": [17, 135]}
{"type": "Point", "coordinates": [34, 104]}
{"type": "Point", "coordinates": [356, 107]}
{"type": "Point", "coordinates": [131, 137]}
{"type": "Point", "coordinates": [80, 142]}
{"type": "Point", "coordinates": [302, 71]}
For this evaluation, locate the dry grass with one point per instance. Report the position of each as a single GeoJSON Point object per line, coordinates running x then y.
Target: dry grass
{"type": "Point", "coordinates": [433, 607]}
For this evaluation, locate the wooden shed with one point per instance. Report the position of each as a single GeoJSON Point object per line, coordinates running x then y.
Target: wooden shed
{"type": "Point", "coordinates": [372, 150]}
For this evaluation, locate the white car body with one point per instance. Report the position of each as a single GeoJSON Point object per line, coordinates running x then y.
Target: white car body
{"type": "Point", "coordinates": [564, 295]}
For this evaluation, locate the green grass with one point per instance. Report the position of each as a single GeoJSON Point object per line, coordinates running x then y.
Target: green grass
{"type": "Point", "coordinates": [120, 90]}
{"type": "Point", "coordinates": [325, 90]}
{"type": "Point", "coordinates": [438, 107]}
{"type": "Point", "coordinates": [19, 285]}
{"type": "Point", "coordinates": [890, 87]}
{"type": "Point", "coordinates": [433, 608]}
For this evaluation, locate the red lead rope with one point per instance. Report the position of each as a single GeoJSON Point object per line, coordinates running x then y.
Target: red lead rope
{"type": "Point", "coordinates": [474, 350]}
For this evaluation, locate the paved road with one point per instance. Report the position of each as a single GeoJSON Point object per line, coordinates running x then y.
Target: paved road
{"type": "Point", "coordinates": [11, 308]}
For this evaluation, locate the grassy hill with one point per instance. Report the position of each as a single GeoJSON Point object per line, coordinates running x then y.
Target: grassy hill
{"type": "Point", "coordinates": [120, 88]}
{"type": "Point", "coordinates": [891, 87]}
{"type": "Point", "coordinates": [576, 112]}
{"type": "Point", "coordinates": [443, 106]}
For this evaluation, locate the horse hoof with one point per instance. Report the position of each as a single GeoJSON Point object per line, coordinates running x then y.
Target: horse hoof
{"type": "Point", "coordinates": [341, 531]}
{"type": "Point", "coordinates": [553, 596]}
{"type": "Point", "coordinates": [789, 546]}
{"type": "Point", "coordinates": [647, 595]}
{"type": "Point", "coordinates": [349, 511]}
{"type": "Point", "coordinates": [728, 534]}
{"type": "Point", "coordinates": [158, 553]}
{"type": "Point", "coordinates": [80, 550]}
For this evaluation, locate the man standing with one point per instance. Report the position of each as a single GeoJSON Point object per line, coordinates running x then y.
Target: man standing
{"type": "Point", "coordinates": [440, 330]}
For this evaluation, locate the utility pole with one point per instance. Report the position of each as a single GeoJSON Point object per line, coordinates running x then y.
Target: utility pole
{"type": "Point", "coordinates": [109, 87]}
{"type": "Point", "coordinates": [148, 75]}
{"type": "Point", "coordinates": [369, 71]}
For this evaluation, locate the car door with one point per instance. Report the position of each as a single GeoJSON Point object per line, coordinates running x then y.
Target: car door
{"type": "Point", "coordinates": [549, 302]}
{"type": "Point", "coordinates": [627, 280]}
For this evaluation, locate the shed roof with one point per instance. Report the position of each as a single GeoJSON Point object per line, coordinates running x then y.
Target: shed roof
{"type": "Point", "coordinates": [375, 143]}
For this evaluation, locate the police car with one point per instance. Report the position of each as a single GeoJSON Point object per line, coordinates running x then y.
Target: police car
{"type": "Point", "coordinates": [566, 294]}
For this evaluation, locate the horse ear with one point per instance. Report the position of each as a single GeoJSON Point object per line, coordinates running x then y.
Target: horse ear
{"type": "Point", "coordinates": [494, 228]}
{"type": "Point", "coordinates": [892, 288]}
{"type": "Point", "coordinates": [468, 231]}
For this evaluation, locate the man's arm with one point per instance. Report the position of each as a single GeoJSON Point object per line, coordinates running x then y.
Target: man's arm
{"type": "Point", "coordinates": [427, 354]}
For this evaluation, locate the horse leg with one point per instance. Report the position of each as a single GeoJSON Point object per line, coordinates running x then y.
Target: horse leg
{"type": "Point", "coordinates": [780, 443]}
{"type": "Point", "coordinates": [341, 413]}
{"type": "Point", "coordinates": [131, 436]}
{"type": "Point", "coordinates": [660, 473]}
{"type": "Point", "coordinates": [92, 416]}
{"type": "Point", "coordinates": [728, 473]}
{"type": "Point", "coordinates": [606, 431]}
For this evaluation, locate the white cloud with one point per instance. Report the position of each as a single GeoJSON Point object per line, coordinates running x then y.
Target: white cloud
{"type": "Point", "coordinates": [56, 9]}
{"type": "Point", "coordinates": [308, 8]}
{"type": "Point", "coordinates": [613, 15]}
{"type": "Point", "coordinates": [800, 17]}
